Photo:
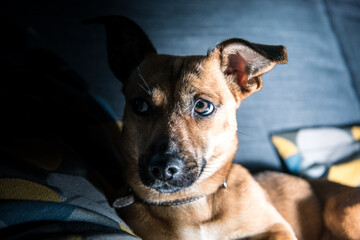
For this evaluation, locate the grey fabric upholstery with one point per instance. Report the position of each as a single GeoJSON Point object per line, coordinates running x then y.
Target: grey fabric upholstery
{"type": "Point", "coordinates": [315, 88]}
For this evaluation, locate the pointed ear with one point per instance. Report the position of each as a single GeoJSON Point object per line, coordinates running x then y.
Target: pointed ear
{"type": "Point", "coordinates": [127, 44]}
{"type": "Point", "coordinates": [245, 62]}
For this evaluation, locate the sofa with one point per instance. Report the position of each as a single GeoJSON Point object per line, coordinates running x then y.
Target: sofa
{"type": "Point", "coordinates": [62, 106]}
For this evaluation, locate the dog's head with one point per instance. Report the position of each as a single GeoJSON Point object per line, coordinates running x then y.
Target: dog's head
{"type": "Point", "coordinates": [180, 129]}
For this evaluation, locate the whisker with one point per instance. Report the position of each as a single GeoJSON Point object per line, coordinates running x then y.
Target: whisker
{"type": "Point", "coordinates": [244, 126]}
{"type": "Point", "coordinates": [245, 134]}
{"type": "Point", "coordinates": [148, 91]}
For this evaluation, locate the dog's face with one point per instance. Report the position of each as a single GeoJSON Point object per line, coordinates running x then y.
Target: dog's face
{"type": "Point", "coordinates": [180, 128]}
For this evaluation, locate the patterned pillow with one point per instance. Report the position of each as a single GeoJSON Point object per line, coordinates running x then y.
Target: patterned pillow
{"type": "Point", "coordinates": [331, 152]}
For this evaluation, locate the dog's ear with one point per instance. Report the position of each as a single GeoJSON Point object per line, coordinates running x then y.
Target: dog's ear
{"type": "Point", "coordinates": [245, 62]}
{"type": "Point", "coordinates": [127, 44]}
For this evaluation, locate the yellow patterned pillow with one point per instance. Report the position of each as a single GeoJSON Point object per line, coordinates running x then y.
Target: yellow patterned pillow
{"type": "Point", "coordinates": [332, 152]}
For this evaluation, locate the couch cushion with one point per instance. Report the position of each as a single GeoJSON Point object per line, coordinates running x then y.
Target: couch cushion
{"type": "Point", "coordinates": [314, 88]}
{"type": "Point", "coordinates": [345, 20]}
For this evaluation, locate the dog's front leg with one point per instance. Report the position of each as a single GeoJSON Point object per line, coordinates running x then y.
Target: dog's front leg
{"type": "Point", "coordinates": [281, 232]}
{"type": "Point", "coordinates": [275, 232]}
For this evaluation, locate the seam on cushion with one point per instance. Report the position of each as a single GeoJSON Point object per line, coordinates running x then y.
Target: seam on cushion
{"type": "Point", "coordinates": [341, 48]}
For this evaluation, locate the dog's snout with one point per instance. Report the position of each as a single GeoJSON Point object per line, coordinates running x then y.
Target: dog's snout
{"type": "Point", "coordinates": [167, 169]}
{"type": "Point", "coordinates": [164, 167]}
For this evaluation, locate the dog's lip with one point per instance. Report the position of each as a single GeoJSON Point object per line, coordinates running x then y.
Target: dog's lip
{"type": "Point", "coordinates": [203, 164]}
{"type": "Point", "coordinates": [164, 187]}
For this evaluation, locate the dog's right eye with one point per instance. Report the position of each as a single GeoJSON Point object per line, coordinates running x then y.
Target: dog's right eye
{"type": "Point", "coordinates": [140, 106]}
{"type": "Point", "coordinates": [203, 107]}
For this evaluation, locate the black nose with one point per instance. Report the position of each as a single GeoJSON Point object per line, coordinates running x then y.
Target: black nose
{"type": "Point", "coordinates": [164, 168]}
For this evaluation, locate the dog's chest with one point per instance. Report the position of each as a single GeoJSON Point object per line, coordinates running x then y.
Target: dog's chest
{"type": "Point", "coordinates": [202, 232]}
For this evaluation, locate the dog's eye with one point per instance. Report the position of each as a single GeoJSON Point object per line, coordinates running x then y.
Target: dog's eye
{"type": "Point", "coordinates": [203, 107]}
{"type": "Point", "coordinates": [140, 106]}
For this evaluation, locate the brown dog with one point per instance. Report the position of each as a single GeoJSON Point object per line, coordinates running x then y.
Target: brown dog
{"type": "Point", "coordinates": [179, 139]}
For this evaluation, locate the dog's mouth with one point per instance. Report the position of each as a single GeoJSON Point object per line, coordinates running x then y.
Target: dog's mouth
{"type": "Point", "coordinates": [165, 187]}
{"type": "Point", "coordinates": [169, 177]}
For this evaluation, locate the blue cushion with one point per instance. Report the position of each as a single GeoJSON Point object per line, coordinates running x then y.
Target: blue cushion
{"type": "Point", "coordinates": [345, 19]}
{"type": "Point", "coordinates": [315, 88]}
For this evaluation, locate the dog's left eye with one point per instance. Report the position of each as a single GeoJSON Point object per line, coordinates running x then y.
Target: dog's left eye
{"type": "Point", "coordinates": [140, 106]}
{"type": "Point", "coordinates": [203, 107]}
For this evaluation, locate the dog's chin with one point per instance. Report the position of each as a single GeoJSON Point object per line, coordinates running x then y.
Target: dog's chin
{"type": "Point", "coordinates": [170, 187]}
{"type": "Point", "coordinates": [166, 188]}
